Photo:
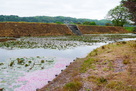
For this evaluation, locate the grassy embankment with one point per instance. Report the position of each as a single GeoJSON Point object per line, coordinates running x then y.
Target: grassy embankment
{"type": "Point", "coordinates": [109, 68]}
{"type": "Point", "coordinates": [130, 29]}
{"type": "Point", "coordinates": [17, 29]}
{"type": "Point", "coordinates": [101, 29]}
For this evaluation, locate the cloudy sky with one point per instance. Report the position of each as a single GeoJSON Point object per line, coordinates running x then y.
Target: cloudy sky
{"type": "Point", "coordinates": [92, 9]}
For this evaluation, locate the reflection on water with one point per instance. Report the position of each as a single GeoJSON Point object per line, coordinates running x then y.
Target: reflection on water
{"type": "Point", "coordinates": [79, 51]}
{"type": "Point", "coordinates": [30, 62]}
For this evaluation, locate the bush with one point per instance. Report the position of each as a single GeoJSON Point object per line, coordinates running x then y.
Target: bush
{"type": "Point", "coordinates": [89, 23]}
{"type": "Point", "coordinates": [108, 24]}
{"type": "Point", "coordinates": [59, 23]}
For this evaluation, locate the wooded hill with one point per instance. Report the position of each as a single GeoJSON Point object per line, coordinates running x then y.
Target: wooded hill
{"type": "Point", "coordinates": [48, 19]}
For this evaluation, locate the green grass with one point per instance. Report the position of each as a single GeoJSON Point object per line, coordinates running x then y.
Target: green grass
{"type": "Point", "coordinates": [130, 29]}
{"type": "Point", "coordinates": [87, 65]}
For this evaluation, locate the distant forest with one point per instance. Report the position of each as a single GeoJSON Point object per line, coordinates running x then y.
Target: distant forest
{"type": "Point", "coordinates": [48, 19]}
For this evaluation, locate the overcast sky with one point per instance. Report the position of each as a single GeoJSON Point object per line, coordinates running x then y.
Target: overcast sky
{"type": "Point", "coordinates": [92, 9]}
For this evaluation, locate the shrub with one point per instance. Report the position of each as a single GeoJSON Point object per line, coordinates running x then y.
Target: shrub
{"type": "Point", "coordinates": [59, 22]}
{"type": "Point", "coordinates": [108, 24]}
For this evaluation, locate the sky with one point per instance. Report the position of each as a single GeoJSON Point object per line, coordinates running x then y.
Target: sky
{"type": "Point", "coordinates": [91, 9]}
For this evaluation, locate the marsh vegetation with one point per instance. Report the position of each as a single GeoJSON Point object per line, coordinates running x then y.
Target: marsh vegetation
{"type": "Point", "coordinates": [62, 42]}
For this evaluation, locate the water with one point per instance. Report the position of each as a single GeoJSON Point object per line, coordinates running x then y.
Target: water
{"type": "Point", "coordinates": [71, 54]}
{"type": "Point", "coordinates": [26, 66]}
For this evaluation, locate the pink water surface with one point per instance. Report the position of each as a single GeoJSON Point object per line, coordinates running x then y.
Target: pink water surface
{"type": "Point", "coordinates": [40, 78]}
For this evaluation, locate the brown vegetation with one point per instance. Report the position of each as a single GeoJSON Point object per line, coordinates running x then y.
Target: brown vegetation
{"type": "Point", "coordinates": [32, 29]}
{"type": "Point", "coordinates": [108, 68]}
{"type": "Point", "coordinates": [14, 29]}
{"type": "Point", "coordinates": [101, 29]}
{"type": "Point", "coordinates": [4, 40]}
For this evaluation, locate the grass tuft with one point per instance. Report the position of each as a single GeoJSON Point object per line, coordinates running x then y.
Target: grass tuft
{"type": "Point", "coordinates": [117, 85]}
{"type": "Point", "coordinates": [73, 86]}
{"type": "Point", "coordinates": [126, 61]}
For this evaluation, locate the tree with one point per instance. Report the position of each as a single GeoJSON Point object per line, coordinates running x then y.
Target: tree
{"type": "Point", "coordinates": [131, 5]}
{"type": "Point", "coordinates": [89, 23]}
{"type": "Point", "coordinates": [92, 23]}
{"type": "Point", "coordinates": [108, 24]}
{"type": "Point", "coordinates": [119, 15]}
{"type": "Point", "coordinates": [59, 22]}
{"type": "Point", "coordinates": [86, 23]}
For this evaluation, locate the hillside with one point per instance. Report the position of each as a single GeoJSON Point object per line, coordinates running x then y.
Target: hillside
{"type": "Point", "coordinates": [15, 29]}
{"type": "Point", "coordinates": [49, 19]}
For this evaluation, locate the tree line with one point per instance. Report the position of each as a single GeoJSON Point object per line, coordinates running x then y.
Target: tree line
{"type": "Point", "coordinates": [57, 19]}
